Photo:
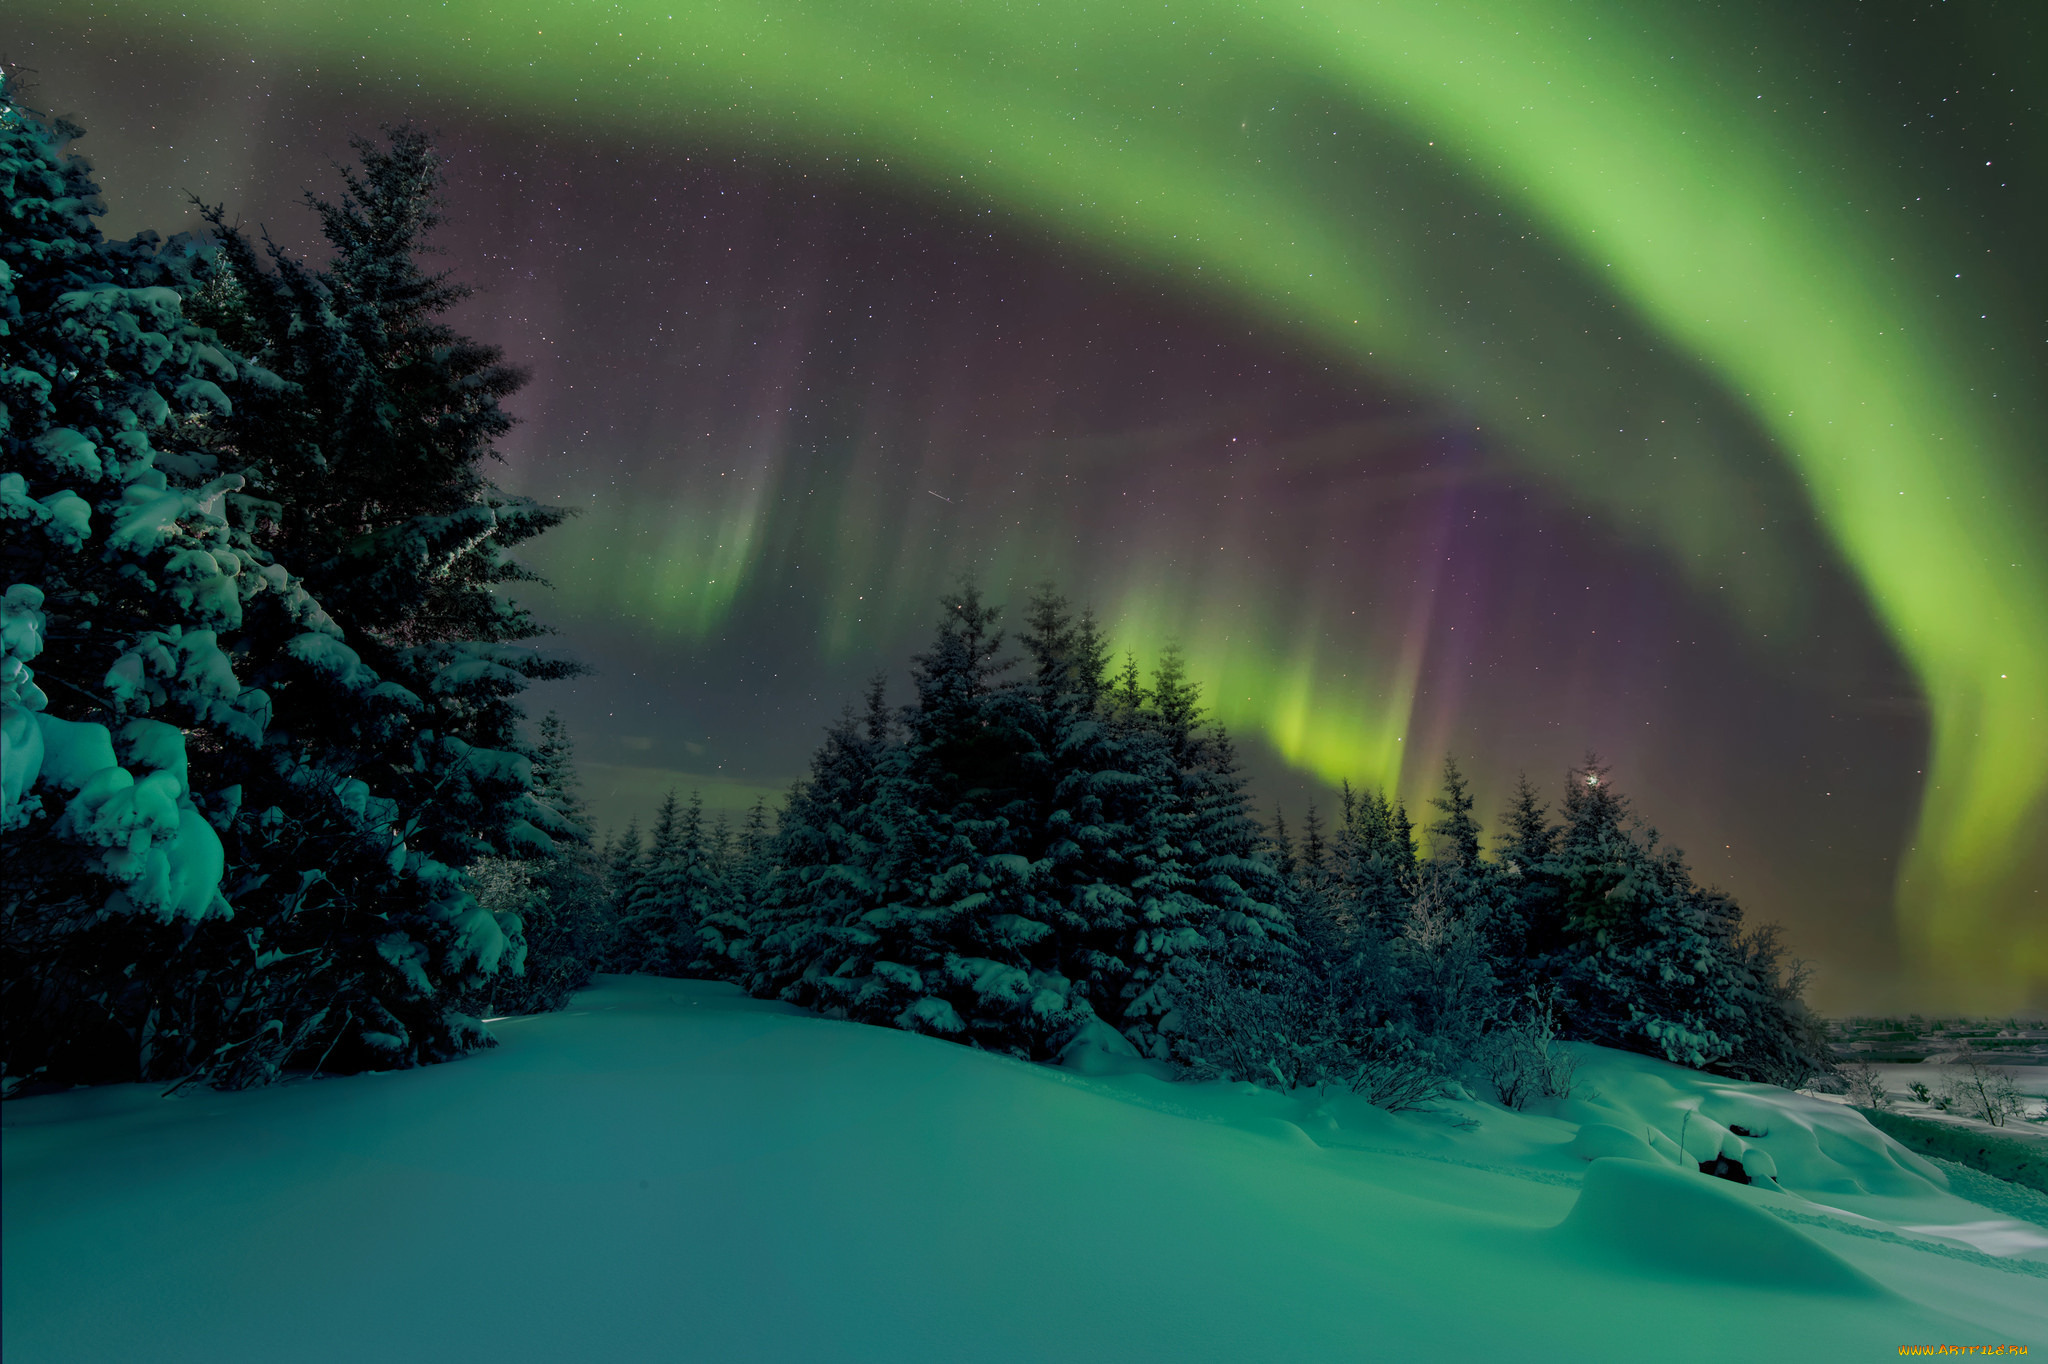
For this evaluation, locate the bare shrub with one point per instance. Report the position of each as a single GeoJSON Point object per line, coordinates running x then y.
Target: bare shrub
{"type": "Point", "coordinates": [1286, 1025]}
{"type": "Point", "coordinates": [1387, 1069]}
{"type": "Point", "coordinates": [1981, 1091]}
{"type": "Point", "coordinates": [1523, 1060]}
{"type": "Point", "coordinates": [1865, 1086]}
{"type": "Point", "coordinates": [1262, 1027]}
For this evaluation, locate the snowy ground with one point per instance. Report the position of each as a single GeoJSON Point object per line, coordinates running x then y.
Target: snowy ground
{"type": "Point", "coordinates": [671, 1171]}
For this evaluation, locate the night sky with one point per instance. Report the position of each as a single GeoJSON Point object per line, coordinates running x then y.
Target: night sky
{"type": "Point", "coordinates": [1505, 380]}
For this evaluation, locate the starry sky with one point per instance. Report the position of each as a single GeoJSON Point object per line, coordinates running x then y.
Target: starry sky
{"type": "Point", "coordinates": [1504, 379]}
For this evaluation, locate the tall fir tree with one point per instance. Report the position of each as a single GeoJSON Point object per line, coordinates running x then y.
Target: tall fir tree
{"type": "Point", "coordinates": [1112, 868]}
{"type": "Point", "coordinates": [827, 868]}
{"type": "Point", "coordinates": [646, 923]}
{"type": "Point", "coordinates": [953, 944]}
{"type": "Point", "coordinates": [1013, 872]}
{"type": "Point", "coordinates": [1283, 846]}
{"type": "Point", "coordinates": [1374, 862]}
{"type": "Point", "coordinates": [619, 874]}
{"type": "Point", "coordinates": [371, 455]}
{"type": "Point", "coordinates": [1654, 962]}
{"type": "Point", "coordinates": [693, 891]}
{"type": "Point", "coordinates": [1229, 861]}
{"type": "Point", "coordinates": [1455, 837]}
{"type": "Point", "coordinates": [187, 637]}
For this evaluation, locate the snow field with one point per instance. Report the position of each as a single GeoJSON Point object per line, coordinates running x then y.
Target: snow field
{"type": "Point", "coordinates": [671, 1171]}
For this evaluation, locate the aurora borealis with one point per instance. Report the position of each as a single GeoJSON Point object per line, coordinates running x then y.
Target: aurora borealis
{"type": "Point", "coordinates": [1506, 378]}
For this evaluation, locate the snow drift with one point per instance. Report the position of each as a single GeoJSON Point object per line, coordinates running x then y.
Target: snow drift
{"type": "Point", "coordinates": [673, 1171]}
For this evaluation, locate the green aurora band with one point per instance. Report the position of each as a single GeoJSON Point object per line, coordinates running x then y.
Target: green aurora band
{"type": "Point", "coordinates": [1471, 199]}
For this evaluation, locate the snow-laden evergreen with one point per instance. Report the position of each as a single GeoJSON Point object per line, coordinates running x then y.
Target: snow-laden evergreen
{"type": "Point", "coordinates": [674, 895]}
{"type": "Point", "coordinates": [558, 899]}
{"type": "Point", "coordinates": [1012, 861]}
{"type": "Point", "coordinates": [1645, 957]}
{"type": "Point", "coordinates": [252, 731]}
{"type": "Point", "coordinates": [372, 453]}
{"type": "Point", "coordinates": [1417, 970]}
{"type": "Point", "coordinates": [1028, 856]}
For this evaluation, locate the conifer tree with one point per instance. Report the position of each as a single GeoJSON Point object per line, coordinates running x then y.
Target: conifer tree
{"type": "Point", "coordinates": [955, 941]}
{"type": "Point", "coordinates": [1528, 930]}
{"type": "Point", "coordinates": [692, 893]}
{"type": "Point", "coordinates": [1527, 836]}
{"type": "Point", "coordinates": [620, 879]}
{"type": "Point", "coordinates": [1104, 800]}
{"type": "Point", "coordinates": [1316, 896]}
{"type": "Point", "coordinates": [1654, 962]}
{"type": "Point", "coordinates": [185, 640]}
{"type": "Point", "coordinates": [1283, 846]}
{"type": "Point", "coordinates": [557, 898]}
{"type": "Point", "coordinates": [1230, 862]}
{"type": "Point", "coordinates": [1012, 872]}
{"type": "Point", "coordinates": [556, 783]}
{"type": "Point", "coordinates": [371, 457]}
{"type": "Point", "coordinates": [1375, 861]}
{"type": "Point", "coordinates": [1455, 837]}
{"type": "Point", "coordinates": [724, 936]}
{"type": "Point", "coordinates": [647, 916]}
{"type": "Point", "coordinates": [828, 860]}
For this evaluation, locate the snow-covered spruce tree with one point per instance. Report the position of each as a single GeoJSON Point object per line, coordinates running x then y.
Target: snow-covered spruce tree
{"type": "Point", "coordinates": [646, 921]}
{"type": "Point", "coordinates": [1527, 929]}
{"type": "Point", "coordinates": [1452, 939]}
{"type": "Point", "coordinates": [1387, 986]}
{"type": "Point", "coordinates": [1455, 838]}
{"type": "Point", "coordinates": [1230, 866]}
{"type": "Point", "coordinates": [688, 887]}
{"type": "Point", "coordinates": [1653, 962]}
{"type": "Point", "coordinates": [557, 897]}
{"type": "Point", "coordinates": [827, 860]}
{"type": "Point", "coordinates": [1008, 874]}
{"type": "Point", "coordinates": [369, 458]}
{"type": "Point", "coordinates": [1374, 859]}
{"type": "Point", "coordinates": [179, 865]}
{"type": "Point", "coordinates": [959, 943]}
{"type": "Point", "coordinates": [373, 457]}
{"type": "Point", "coordinates": [619, 871]}
{"type": "Point", "coordinates": [1316, 902]}
{"type": "Point", "coordinates": [568, 946]}
{"type": "Point", "coordinates": [1111, 829]}
{"type": "Point", "coordinates": [745, 874]}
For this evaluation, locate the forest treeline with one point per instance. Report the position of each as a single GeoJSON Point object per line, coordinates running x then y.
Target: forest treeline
{"type": "Point", "coordinates": [272, 804]}
{"type": "Point", "coordinates": [1039, 850]}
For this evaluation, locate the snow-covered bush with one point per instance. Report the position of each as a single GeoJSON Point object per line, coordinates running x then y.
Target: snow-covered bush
{"type": "Point", "coordinates": [547, 908]}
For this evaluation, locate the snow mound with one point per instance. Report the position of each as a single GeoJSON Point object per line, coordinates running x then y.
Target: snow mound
{"type": "Point", "coordinates": [1667, 1220]}
{"type": "Point", "coordinates": [1598, 1141]}
{"type": "Point", "coordinates": [1793, 1141]}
